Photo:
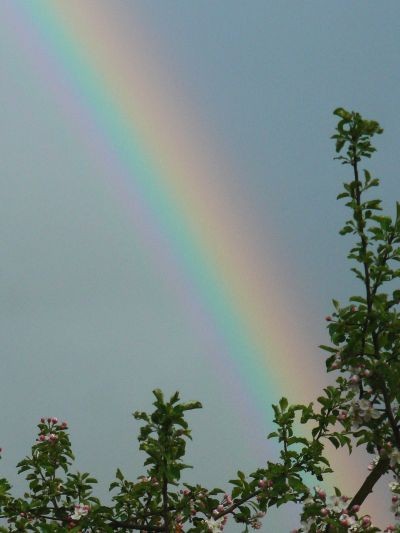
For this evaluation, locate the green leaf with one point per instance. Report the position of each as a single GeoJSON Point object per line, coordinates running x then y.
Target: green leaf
{"type": "Point", "coordinates": [372, 204]}
{"type": "Point", "coordinates": [236, 491]}
{"type": "Point", "coordinates": [339, 144]}
{"type": "Point", "coordinates": [345, 230]}
{"type": "Point", "coordinates": [283, 403]}
{"type": "Point", "coordinates": [241, 475]}
{"type": "Point", "coordinates": [334, 441]}
{"type": "Point", "coordinates": [397, 217]}
{"type": "Point", "coordinates": [191, 405]}
{"type": "Point", "coordinates": [358, 299]}
{"type": "Point", "coordinates": [159, 395]}
{"type": "Point", "coordinates": [342, 113]}
{"type": "Point", "coordinates": [396, 296]}
{"type": "Point", "coordinates": [174, 397]}
{"type": "Point", "coordinates": [342, 195]}
{"type": "Point", "coordinates": [328, 348]}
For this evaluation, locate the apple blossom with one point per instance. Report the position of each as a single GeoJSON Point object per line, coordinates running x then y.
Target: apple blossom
{"type": "Point", "coordinates": [80, 510]}
{"type": "Point", "coordinates": [394, 458]}
{"type": "Point", "coordinates": [215, 526]}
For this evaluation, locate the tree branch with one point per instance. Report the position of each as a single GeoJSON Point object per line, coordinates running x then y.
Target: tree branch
{"type": "Point", "coordinates": [366, 488]}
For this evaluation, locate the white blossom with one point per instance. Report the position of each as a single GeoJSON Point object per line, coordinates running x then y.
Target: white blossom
{"type": "Point", "coordinates": [306, 525]}
{"type": "Point", "coordinates": [367, 411]}
{"type": "Point", "coordinates": [394, 485]}
{"type": "Point", "coordinates": [394, 458]}
{"type": "Point", "coordinates": [213, 525]}
{"type": "Point", "coordinates": [362, 411]}
{"type": "Point", "coordinates": [308, 501]}
{"type": "Point", "coordinates": [337, 504]}
{"type": "Point", "coordinates": [80, 510]}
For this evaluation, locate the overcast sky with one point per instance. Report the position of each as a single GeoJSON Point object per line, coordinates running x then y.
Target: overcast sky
{"type": "Point", "coordinates": [88, 325]}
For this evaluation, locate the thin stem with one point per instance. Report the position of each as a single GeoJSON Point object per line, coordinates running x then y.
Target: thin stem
{"type": "Point", "coordinates": [364, 247]}
{"type": "Point", "coordinates": [130, 524]}
{"type": "Point", "coordinates": [238, 503]}
{"type": "Point", "coordinates": [165, 503]}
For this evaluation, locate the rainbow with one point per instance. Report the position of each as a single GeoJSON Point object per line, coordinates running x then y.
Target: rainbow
{"type": "Point", "coordinates": [166, 174]}
{"type": "Point", "coordinates": [133, 128]}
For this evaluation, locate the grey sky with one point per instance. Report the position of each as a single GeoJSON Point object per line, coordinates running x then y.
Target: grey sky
{"type": "Point", "coordinates": [85, 313]}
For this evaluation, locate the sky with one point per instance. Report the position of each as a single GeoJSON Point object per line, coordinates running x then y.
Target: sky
{"type": "Point", "coordinates": [168, 216]}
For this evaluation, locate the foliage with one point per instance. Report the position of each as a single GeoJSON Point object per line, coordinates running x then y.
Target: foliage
{"type": "Point", "coordinates": [361, 409]}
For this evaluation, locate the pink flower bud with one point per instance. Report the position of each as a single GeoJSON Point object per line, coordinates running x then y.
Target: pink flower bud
{"type": "Point", "coordinates": [355, 508]}
{"type": "Point", "coordinates": [366, 521]}
{"type": "Point", "coordinates": [328, 318]}
{"type": "Point", "coordinates": [42, 438]}
{"type": "Point", "coordinates": [354, 379]}
{"type": "Point", "coordinates": [54, 420]}
{"type": "Point", "coordinates": [321, 494]}
{"type": "Point", "coordinates": [42, 420]}
{"type": "Point", "coordinates": [395, 499]}
{"type": "Point", "coordinates": [220, 508]}
{"type": "Point", "coordinates": [262, 483]}
{"type": "Point", "coordinates": [228, 499]}
{"type": "Point", "coordinates": [324, 511]}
